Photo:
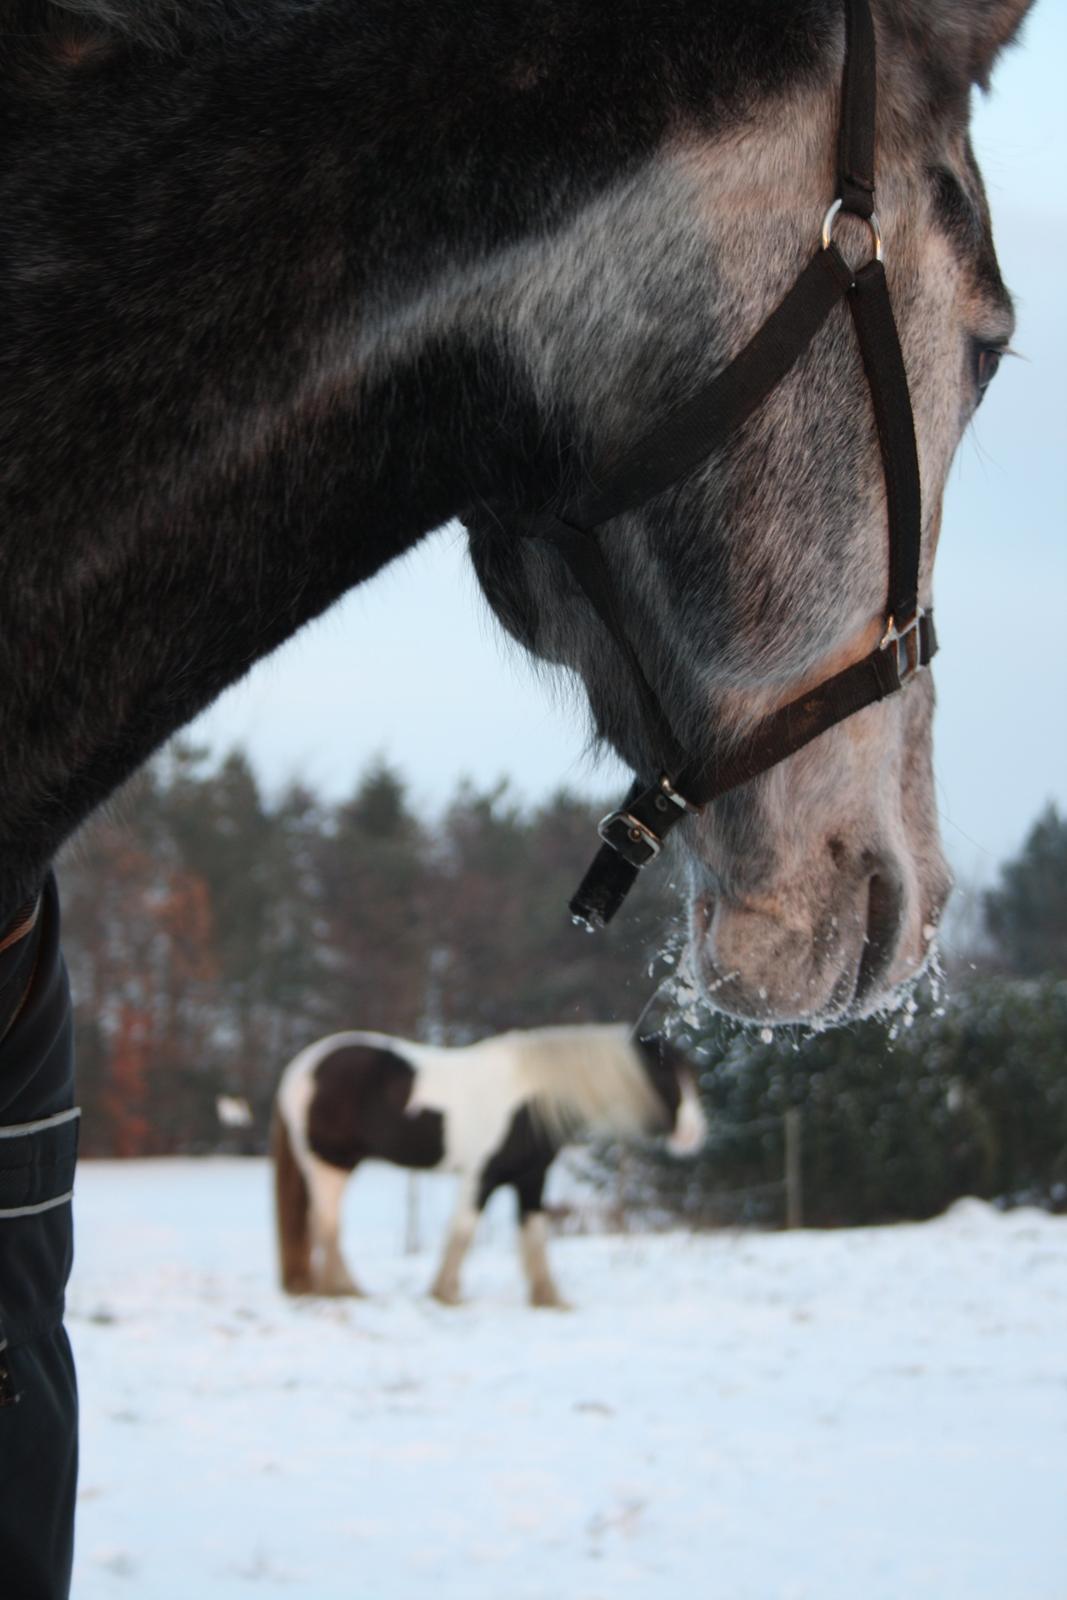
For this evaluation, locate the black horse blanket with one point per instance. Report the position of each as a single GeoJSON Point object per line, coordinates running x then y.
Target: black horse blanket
{"type": "Point", "coordinates": [38, 1141]}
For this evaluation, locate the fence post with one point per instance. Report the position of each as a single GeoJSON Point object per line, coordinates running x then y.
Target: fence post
{"type": "Point", "coordinates": [621, 1178]}
{"type": "Point", "coordinates": [794, 1187]}
{"type": "Point", "coordinates": [411, 1216]}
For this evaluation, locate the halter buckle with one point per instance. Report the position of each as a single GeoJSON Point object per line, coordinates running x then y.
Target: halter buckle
{"type": "Point", "coordinates": [630, 837]}
{"type": "Point", "coordinates": [906, 645]}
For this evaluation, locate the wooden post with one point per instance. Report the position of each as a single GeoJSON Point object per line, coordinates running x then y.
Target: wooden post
{"type": "Point", "coordinates": [411, 1216]}
{"type": "Point", "coordinates": [620, 1190]}
{"type": "Point", "coordinates": [794, 1184]}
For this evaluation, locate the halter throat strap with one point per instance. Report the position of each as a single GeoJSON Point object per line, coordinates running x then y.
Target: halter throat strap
{"type": "Point", "coordinates": [684, 784]}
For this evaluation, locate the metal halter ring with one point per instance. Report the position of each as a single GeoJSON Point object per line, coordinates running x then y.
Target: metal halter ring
{"type": "Point", "coordinates": [871, 221]}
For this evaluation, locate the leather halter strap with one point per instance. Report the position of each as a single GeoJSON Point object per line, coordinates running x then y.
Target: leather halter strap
{"type": "Point", "coordinates": [680, 443]}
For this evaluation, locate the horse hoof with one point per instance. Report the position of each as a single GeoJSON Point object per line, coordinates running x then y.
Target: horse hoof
{"type": "Point", "coordinates": [445, 1296]}
{"type": "Point", "coordinates": [544, 1301]}
{"type": "Point", "coordinates": [340, 1289]}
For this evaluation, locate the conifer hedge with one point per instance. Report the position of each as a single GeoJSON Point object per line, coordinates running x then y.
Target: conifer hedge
{"type": "Point", "coordinates": [897, 1121]}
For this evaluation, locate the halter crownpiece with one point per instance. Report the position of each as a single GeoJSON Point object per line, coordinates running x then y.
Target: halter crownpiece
{"type": "Point", "coordinates": [633, 836]}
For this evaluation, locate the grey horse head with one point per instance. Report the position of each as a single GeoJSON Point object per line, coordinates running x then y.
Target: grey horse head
{"type": "Point", "coordinates": [815, 889]}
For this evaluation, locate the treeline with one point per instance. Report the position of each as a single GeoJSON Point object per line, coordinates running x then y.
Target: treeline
{"type": "Point", "coordinates": [895, 1122]}
{"type": "Point", "coordinates": [211, 932]}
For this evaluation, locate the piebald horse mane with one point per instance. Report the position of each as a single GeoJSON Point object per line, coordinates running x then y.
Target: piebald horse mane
{"type": "Point", "coordinates": [577, 1078]}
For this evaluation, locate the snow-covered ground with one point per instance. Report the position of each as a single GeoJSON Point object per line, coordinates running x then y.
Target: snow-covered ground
{"type": "Point", "coordinates": [862, 1415]}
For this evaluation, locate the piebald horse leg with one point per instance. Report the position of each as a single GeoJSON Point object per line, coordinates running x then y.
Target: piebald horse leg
{"type": "Point", "coordinates": [533, 1242]}
{"type": "Point", "coordinates": [329, 1272]}
{"type": "Point", "coordinates": [445, 1286]}
{"type": "Point", "coordinates": [533, 1237]}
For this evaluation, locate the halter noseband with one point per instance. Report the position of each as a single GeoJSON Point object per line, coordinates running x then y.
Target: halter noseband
{"type": "Point", "coordinates": [633, 835]}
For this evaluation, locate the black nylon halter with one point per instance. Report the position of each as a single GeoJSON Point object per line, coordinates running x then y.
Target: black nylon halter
{"type": "Point", "coordinates": [679, 444]}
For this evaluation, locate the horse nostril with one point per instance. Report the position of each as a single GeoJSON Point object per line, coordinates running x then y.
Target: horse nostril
{"type": "Point", "coordinates": [884, 904]}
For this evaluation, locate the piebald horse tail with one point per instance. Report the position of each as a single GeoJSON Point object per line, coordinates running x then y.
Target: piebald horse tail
{"type": "Point", "coordinates": [290, 1210]}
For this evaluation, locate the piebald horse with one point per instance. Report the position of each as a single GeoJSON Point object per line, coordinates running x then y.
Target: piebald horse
{"type": "Point", "coordinates": [286, 284]}
{"type": "Point", "coordinates": [496, 1113]}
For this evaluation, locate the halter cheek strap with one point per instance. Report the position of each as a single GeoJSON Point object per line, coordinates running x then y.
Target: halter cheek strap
{"type": "Point", "coordinates": [633, 835]}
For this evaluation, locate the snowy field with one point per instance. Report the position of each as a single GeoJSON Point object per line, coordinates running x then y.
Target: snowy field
{"type": "Point", "coordinates": [862, 1415]}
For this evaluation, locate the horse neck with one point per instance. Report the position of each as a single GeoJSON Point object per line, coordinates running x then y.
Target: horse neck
{"type": "Point", "coordinates": [244, 363]}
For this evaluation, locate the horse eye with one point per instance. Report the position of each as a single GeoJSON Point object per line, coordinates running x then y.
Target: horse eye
{"type": "Point", "coordinates": [986, 361]}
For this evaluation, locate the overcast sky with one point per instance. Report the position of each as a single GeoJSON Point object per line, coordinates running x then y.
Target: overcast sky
{"type": "Point", "coordinates": [412, 667]}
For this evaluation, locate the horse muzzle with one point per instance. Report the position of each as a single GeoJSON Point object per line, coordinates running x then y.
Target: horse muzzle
{"type": "Point", "coordinates": [766, 962]}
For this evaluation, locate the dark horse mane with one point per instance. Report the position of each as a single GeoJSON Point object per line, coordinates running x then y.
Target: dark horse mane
{"type": "Point", "coordinates": [759, 36]}
{"type": "Point", "coordinates": [163, 24]}
{"type": "Point", "coordinates": [571, 90]}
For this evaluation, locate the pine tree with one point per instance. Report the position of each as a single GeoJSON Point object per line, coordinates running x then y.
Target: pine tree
{"type": "Point", "coordinates": [1026, 915]}
{"type": "Point", "coordinates": [375, 932]}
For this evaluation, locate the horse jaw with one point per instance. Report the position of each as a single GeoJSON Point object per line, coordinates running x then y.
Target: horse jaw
{"type": "Point", "coordinates": [817, 894]}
